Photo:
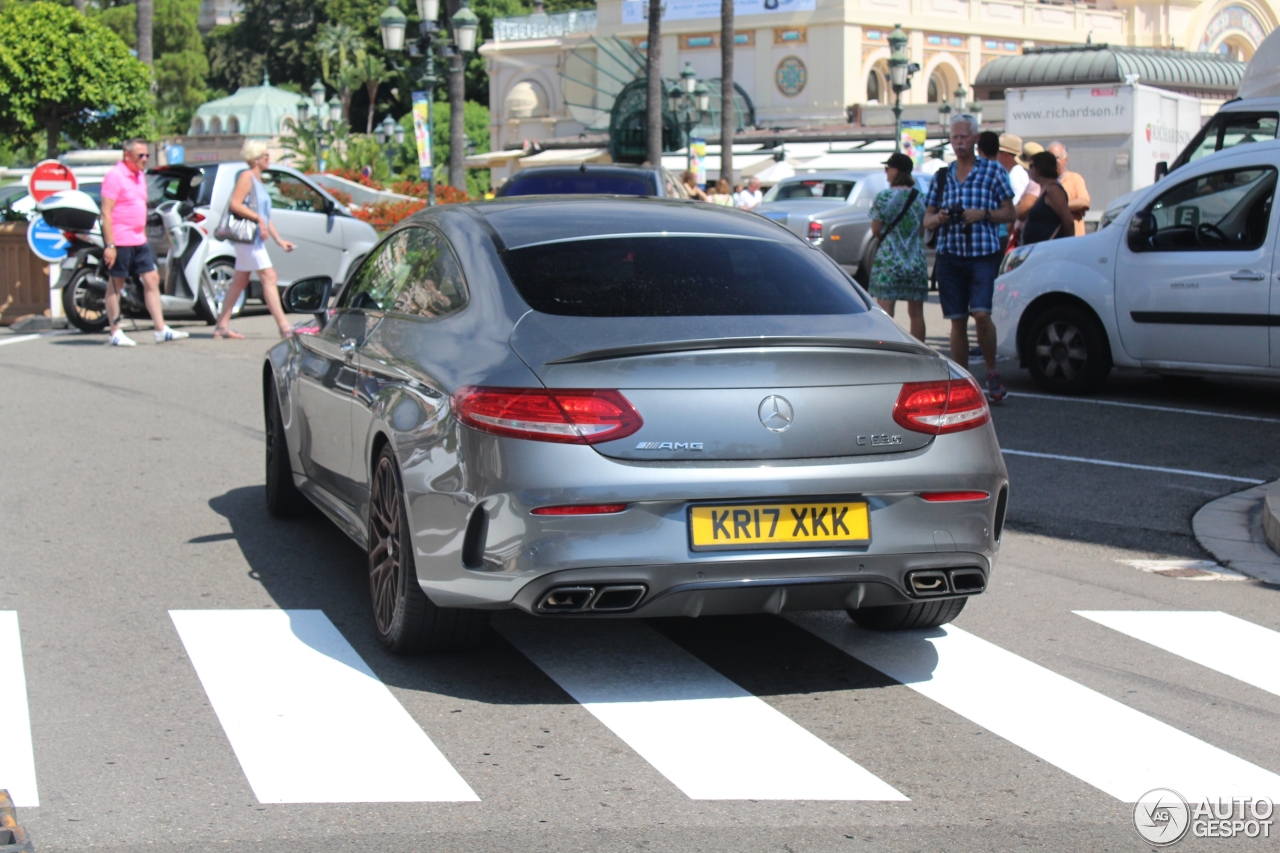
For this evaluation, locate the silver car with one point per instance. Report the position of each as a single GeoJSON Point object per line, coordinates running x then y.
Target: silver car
{"type": "Point", "coordinates": [627, 407]}
{"type": "Point", "coordinates": [832, 210]}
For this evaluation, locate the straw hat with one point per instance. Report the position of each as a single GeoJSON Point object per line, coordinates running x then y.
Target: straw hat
{"type": "Point", "coordinates": [1029, 150]}
{"type": "Point", "coordinates": [1010, 144]}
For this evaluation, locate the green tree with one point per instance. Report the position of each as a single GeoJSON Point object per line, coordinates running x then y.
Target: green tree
{"type": "Point", "coordinates": [272, 36]}
{"type": "Point", "coordinates": [371, 72]}
{"type": "Point", "coordinates": [181, 67]}
{"type": "Point", "coordinates": [61, 72]}
{"type": "Point", "coordinates": [338, 43]}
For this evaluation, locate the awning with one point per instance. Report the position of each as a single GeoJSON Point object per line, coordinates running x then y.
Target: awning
{"type": "Point", "coordinates": [566, 157]}
{"type": "Point", "coordinates": [774, 172]}
{"type": "Point", "coordinates": [490, 159]}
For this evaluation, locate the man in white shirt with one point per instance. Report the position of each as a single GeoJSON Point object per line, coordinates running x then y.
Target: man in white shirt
{"type": "Point", "coordinates": [751, 197]}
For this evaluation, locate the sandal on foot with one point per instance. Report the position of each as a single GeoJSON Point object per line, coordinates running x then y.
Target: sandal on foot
{"type": "Point", "coordinates": [227, 333]}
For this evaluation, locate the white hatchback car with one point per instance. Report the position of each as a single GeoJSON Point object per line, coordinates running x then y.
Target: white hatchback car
{"type": "Point", "coordinates": [1184, 282]}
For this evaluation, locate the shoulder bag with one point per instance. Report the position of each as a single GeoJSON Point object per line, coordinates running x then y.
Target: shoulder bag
{"type": "Point", "coordinates": [874, 245]}
{"type": "Point", "coordinates": [233, 228]}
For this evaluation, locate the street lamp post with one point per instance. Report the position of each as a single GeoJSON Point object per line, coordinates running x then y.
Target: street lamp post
{"type": "Point", "coordinates": [324, 135]}
{"type": "Point", "coordinates": [464, 25]}
{"type": "Point", "coordinates": [392, 23]}
{"type": "Point", "coordinates": [690, 101]}
{"type": "Point", "coordinates": [390, 135]}
{"type": "Point", "coordinates": [900, 70]}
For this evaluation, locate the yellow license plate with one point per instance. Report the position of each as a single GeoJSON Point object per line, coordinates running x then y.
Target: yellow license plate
{"type": "Point", "coordinates": [788, 525]}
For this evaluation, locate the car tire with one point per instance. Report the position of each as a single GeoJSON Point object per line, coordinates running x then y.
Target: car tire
{"type": "Point", "coordinates": [1067, 351]}
{"type": "Point", "coordinates": [283, 498]}
{"type": "Point", "coordinates": [82, 308]}
{"type": "Point", "coordinates": [213, 287]}
{"type": "Point", "coordinates": [908, 617]}
{"type": "Point", "coordinates": [406, 621]}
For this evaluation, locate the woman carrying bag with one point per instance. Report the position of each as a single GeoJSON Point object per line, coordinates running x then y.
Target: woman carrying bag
{"type": "Point", "coordinates": [250, 202]}
{"type": "Point", "coordinates": [898, 267]}
{"type": "Point", "coordinates": [1050, 218]}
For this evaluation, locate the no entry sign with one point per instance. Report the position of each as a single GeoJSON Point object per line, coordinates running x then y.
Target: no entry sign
{"type": "Point", "coordinates": [50, 177]}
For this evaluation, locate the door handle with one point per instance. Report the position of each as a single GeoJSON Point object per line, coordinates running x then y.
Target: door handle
{"type": "Point", "coordinates": [1247, 275]}
{"type": "Point", "coordinates": [348, 348]}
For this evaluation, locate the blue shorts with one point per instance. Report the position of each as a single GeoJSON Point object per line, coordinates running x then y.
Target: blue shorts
{"type": "Point", "coordinates": [966, 285]}
{"type": "Point", "coordinates": [132, 261]}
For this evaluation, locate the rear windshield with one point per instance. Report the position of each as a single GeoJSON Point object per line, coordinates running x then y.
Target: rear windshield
{"type": "Point", "coordinates": [679, 276]}
{"type": "Point", "coordinates": [810, 189]}
{"type": "Point", "coordinates": [580, 183]}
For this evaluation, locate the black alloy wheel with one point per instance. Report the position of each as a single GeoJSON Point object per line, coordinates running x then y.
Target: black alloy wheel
{"type": "Point", "coordinates": [283, 498]}
{"type": "Point", "coordinates": [908, 617]}
{"type": "Point", "coordinates": [406, 621]}
{"type": "Point", "coordinates": [84, 306]}
{"type": "Point", "coordinates": [1067, 351]}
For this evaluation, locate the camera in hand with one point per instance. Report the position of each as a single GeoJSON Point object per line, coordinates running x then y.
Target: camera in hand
{"type": "Point", "coordinates": [955, 215]}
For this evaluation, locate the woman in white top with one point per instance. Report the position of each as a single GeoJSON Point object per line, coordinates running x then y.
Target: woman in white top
{"type": "Point", "coordinates": [253, 257]}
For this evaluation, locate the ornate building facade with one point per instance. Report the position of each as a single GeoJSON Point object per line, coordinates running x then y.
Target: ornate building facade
{"type": "Point", "coordinates": [804, 62]}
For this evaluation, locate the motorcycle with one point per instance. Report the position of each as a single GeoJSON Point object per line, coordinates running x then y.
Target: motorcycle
{"type": "Point", "coordinates": [190, 283]}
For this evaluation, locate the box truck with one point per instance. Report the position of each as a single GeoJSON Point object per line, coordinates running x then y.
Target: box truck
{"type": "Point", "coordinates": [1115, 134]}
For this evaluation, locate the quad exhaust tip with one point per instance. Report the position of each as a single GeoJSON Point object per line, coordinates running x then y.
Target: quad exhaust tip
{"type": "Point", "coordinates": [935, 582]}
{"type": "Point", "coordinates": [615, 598]}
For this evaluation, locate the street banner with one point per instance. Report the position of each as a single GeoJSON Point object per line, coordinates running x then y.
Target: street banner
{"type": "Point", "coordinates": [637, 11]}
{"type": "Point", "coordinates": [698, 160]}
{"type": "Point", "coordinates": [913, 137]}
{"type": "Point", "coordinates": [422, 132]}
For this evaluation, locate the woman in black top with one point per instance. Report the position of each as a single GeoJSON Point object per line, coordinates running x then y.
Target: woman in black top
{"type": "Point", "coordinates": [1050, 217]}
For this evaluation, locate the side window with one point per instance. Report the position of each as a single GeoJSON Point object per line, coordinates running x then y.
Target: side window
{"type": "Point", "coordinates": [289, 193]}
{"type": "Point", "coordinates": [1222, 211]}
{"type": "Point", "coordinates": [1227, 130]}
{"type": "Point", "coordinates": [433, 286]}
{"type": "Point", "coordinates": [375, 284]}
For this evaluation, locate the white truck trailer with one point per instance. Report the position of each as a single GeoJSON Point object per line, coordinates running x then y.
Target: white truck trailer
{"type": "Point", "coordinates": [1115, 134]}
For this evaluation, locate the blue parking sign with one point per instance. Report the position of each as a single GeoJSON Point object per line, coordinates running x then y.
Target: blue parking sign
{"type": "Point", "coordinates": [46, 241]}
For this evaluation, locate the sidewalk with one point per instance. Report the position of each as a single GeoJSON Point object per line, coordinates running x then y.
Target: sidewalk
{"type": "Point", "coordinates": [1242, 531]}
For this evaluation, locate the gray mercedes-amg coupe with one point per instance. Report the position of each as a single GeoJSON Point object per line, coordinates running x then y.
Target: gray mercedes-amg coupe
{"type": "Point", "coordinates": [607, 407]}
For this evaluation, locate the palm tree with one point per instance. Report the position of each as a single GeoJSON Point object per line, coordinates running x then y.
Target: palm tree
{"type": "Point", "coordinates": [370, 71]}
{"type": "Point", "coordinates": [728, 113]}
{"type": "Point", "coordinates": [146, 12]}
{"type": "Point", "coordinates": [338, 42]}
{"type": "Point", "coordinates": [653, 90]}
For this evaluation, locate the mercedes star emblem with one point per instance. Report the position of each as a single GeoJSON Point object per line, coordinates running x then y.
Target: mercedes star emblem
{"type": "Point", "coordinates": [776, 413]}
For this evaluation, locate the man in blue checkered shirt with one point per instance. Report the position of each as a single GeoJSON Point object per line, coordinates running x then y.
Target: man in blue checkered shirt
{"type": "Point", "coordinates": [969, 249]}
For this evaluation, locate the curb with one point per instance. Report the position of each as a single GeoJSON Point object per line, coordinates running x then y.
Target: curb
{"type": "Point", "coordinates": [1231, 528]}
{"type": "Point", "coordinates": [37, 323]}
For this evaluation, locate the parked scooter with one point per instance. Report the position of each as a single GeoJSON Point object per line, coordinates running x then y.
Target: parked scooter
{"type": "Point", "coordinates": [189, 283]}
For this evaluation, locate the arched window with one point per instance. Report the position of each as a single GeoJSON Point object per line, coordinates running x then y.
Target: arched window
{"type": "Point", "coordinates": [215, 125]}
{"type": "Point", "coordinates": [937, 86]}
{"type": "Point", "coordinates": [873, 87]}
{"type": "Point", "coordinates": [197, 127]}
{"type": "Point", "coordinates": [233, 125]}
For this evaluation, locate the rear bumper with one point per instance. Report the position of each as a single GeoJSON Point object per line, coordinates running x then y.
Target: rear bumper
{"type": "Point", "coordinates": [832, 583]}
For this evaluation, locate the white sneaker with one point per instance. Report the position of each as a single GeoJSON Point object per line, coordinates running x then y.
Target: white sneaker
{"type": "Point", "coordinates": [170, 334]}
{"type": "Point", "coordinates": [120, 339]}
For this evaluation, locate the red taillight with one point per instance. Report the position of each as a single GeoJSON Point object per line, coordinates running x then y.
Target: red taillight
{"type": "Point", "coordinates": [815, 230]}
{"type": "Point", "coordinates": [943, 497]}
{"type": "Point", "coordinates": [566, 415]}
{"type": "Point", "coordinates": [71, 236]}
{"type": "Point", "coordinates": [196, 217]}
{"type": "Point", "coordinates": [938, 408]}
{"type": "Point", "coordinates": [584, 509]}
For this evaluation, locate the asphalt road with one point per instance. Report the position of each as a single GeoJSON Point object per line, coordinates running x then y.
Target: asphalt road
{"type": "Point", "coordinates": [132, 488]}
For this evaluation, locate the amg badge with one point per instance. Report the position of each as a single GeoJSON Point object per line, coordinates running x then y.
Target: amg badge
{"type": "Point", "coordinates": [669, 445]}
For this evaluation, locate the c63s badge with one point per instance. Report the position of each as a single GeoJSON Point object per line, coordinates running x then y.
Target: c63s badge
{"type": "Point", "coordinates": [669, 445]}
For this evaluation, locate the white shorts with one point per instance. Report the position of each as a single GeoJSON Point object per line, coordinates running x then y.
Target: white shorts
{"type": "Point", "coordinates": [251, 257]}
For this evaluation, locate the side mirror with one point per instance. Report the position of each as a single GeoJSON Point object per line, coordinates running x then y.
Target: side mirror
{"type": "Point", "coordinates": [1142, 227]}
{"type": "Point", "coordinates": [309, 296]}
{"type": "Point", "coordinates": [1162, 169]}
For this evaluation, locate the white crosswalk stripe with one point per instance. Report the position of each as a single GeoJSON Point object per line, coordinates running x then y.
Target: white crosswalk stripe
{"type": "Point", "coordinates": [1219, 641]}
{"type": "Point", "coordinates": [711, 738]}
{"type": "Point", "coordinates": [307, 718]}
{"type": "Point", "coordinates": [17, 757]}
{"type": "Point", "coordinates": [1111, 746]}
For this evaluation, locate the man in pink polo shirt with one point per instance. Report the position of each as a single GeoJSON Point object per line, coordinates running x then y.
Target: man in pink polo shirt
{"type": "Point", "coordinates": [124, 229]}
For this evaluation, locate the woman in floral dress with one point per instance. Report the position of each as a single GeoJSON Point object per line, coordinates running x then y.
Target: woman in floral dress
{"type": "Point", "coordinates": [900, 270]}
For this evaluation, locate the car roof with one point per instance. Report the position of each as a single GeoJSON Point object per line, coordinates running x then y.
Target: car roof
{"type": "Point", "coordinates": [526, 220]}
{"type": "Point", "coordinates": [1245, 105]}
{"type": "Point", "coordinates": [585, 167]}
{"type": "Point", "coordinates": [832, 175]}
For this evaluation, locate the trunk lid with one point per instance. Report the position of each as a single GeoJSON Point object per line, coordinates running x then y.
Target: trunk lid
{"type": "Point", "coordinates": [739, 388]}
{"type": "Point", "coordinates": [795, 214]}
